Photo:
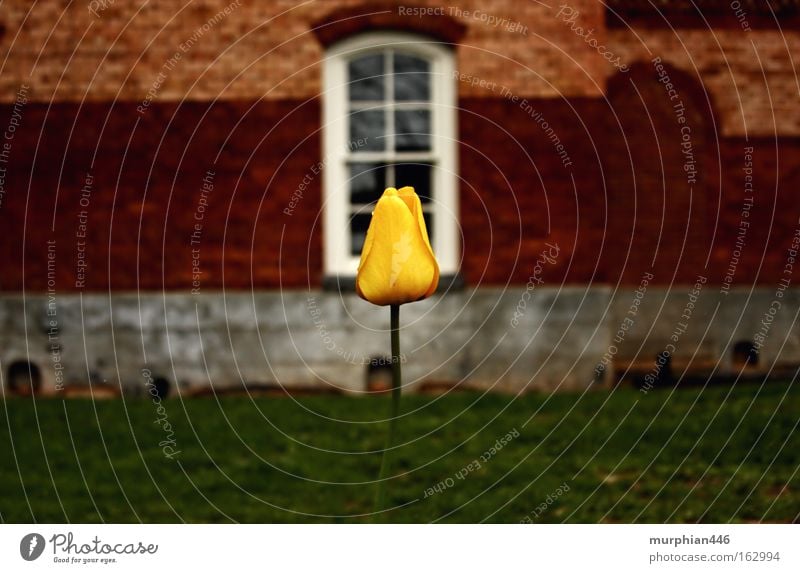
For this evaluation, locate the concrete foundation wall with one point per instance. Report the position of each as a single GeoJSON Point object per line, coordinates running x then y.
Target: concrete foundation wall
{"type": "Point", "coordinates": [507, 340]}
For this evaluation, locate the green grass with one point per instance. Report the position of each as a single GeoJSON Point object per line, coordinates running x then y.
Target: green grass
{"type": "Point", "coordinates": [706, 456]}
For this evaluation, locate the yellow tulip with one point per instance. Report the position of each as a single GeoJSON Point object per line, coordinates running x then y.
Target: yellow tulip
{"type": "Point", "coordinates": [397, 261]}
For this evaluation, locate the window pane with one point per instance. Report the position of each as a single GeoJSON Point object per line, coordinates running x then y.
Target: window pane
{"type": "Point", "coordinates": [366, 78]}
{"type": "Point", "coordinates": [429, 225]}
{"type": "Point", "coordinates": [358, 232]}
{"type": "Point", "coordinates": [367, 182]}
{"type": "Point", "coordinates": [368, 125]}
{"type": "Point", "coordinates": [417, 175]}
{"type": "Point", "coordinates": [411, 79]}
{"type": "Point", "coordinates": [412, 129]}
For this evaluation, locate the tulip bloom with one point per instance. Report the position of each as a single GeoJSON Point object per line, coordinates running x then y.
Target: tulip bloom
{"type": "Point", "coordinates": [397, 262]}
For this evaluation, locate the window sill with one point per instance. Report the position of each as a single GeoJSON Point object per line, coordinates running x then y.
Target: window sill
{"type": "Point", "coordinates": [347, 283]}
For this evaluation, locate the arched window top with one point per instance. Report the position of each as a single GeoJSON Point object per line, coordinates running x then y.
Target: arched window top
{"type": "Point", "coordinates": [349, 21]}
{"type": "Point", "coordinates": [388, 40]}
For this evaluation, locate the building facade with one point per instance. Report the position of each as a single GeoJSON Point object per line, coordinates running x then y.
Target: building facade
{"type": "Point", "coordinates": [611, 188]}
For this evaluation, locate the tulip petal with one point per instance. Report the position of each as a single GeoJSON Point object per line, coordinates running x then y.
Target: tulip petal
{"type": "Point", "coordinates": [367, 246]}
{"type": "Point", "coordinates": [412, 200]}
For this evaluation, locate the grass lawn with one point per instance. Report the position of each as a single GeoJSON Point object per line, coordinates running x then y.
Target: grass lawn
{"type": "Point", "coordinates": [719, 454]}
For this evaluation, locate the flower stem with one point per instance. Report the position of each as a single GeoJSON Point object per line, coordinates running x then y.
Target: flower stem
{"type": "Point", "coordinates": [396, 383]}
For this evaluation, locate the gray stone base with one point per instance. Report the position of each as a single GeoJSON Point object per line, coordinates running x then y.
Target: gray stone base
{"type": "Point", "coordinates": [508, 340]}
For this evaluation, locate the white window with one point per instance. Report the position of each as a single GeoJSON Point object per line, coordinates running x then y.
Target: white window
{"type": "Point", "coordinates": [389, 120]}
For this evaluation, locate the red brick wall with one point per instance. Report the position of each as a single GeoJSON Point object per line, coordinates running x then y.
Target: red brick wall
{"type": "Point", "coordinates": [620, 206]}
{"type": "Point", "coordinates": [267, 48]}
{"type": "Point", "coordinates": [774, 217]}
{"type": "Point", "coordinates": [631, 210]}
{"type": "Point", "coordinates": [682, 229]}
{"type": "Point", "coordinates": [659, 199]}
{"type": "Point", "coordinates": [147, 184]}
{"type": "Point", "coordinates": [516, 194]}
{"type": "Point", "coordinates": [751, 76]}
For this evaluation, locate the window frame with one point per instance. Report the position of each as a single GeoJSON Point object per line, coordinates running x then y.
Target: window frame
{"type": "Point", "coordinates": [338, 261]}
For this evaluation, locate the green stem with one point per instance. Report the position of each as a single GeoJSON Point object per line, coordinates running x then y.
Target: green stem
{"type": "Point", "coordinates": [396, 382]}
